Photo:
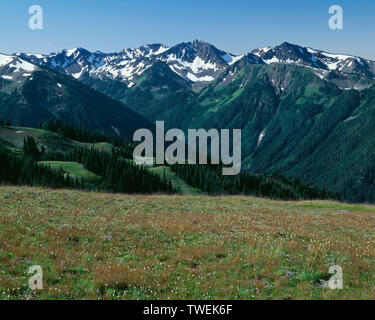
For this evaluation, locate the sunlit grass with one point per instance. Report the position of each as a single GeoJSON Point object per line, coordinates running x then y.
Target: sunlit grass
{"type": "Point", "coordinates": [178, 183]}
{"type": "Point", "coordinates": [74, 169]}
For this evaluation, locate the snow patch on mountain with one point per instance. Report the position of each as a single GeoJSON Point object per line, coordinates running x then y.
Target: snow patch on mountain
{"type": "Point", "coordinates": [70, 52]}
{"type": "Point", "coordinates": [14, 68]}
{"type": "Point", "coordinates": [196, 61]}
{"type": "Point", "coordinates": [231, 59]}
{"type": "Point", "coordinates": [4, 60]}
{"type": "Point", "coordinates": [272, 60]}
{"type": "Point", "coordinates": [21, 64]}
{"type": "Point", "coordinates": [196, 66]}
{"type": "Point", "coordinates": [352, 118]}
{"type": "Point", "coordinates": [194, 78]}
{"type": "Point", "coordinates": [261, 136]}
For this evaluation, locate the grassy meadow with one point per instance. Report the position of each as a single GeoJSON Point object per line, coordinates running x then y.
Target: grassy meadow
{"type": "Point", "coordinates": [107, 246]}
{"type": "Point", "coordinates": [74, 169]}
{"type": "Point", "coordinates": [177, 182]}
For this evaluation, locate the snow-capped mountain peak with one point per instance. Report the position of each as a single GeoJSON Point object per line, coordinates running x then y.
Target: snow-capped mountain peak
{"type": "Point", "coordinates": [197, 61]}
{"type": "Point", "coordinates": [291, 53]}
{"type": "Point", "coordinates": [230, 58]}
{"type": "Point", "coordinates": [14, 68]}
{"type": "Point", "coordinates": [147, 51]}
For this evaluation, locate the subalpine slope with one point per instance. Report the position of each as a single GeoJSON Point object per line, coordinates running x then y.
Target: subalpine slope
{"type": "Point", "coordinates": [33, 95]}
{"type": "Point", "coordinates": [106, 246]}
{"type": "Point", "coordinates": [293, 122]}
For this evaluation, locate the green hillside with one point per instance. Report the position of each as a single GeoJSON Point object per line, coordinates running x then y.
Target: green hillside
{"type": "Point", "coordinates": [294, 117]}
{"type": "Point", "coordinates": [104, 166]}
{"type": "Point", "coordinates": [158, 95]}
{"type": "Point", "coordinates": [74, 169]}
{"type": "Point", "coordinates": [177, 182]}
{"type": "Point", "coordinates": [41, 157]}
{"type": "Point", "coordinates": [51, 141]}
{"type": "Point", "coordinates": [292, 121]}
{"type": "Point", "coordinates": [48, 95]}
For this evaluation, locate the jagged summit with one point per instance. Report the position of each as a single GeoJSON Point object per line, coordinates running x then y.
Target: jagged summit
{"type": "Point", "coordinates": [292, 53]}
{"type": "Point", "coordinates": [196, 61]}
{"type": "Point", "coordinates": [14, 68]}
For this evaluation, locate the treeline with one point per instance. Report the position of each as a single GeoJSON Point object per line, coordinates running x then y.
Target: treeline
{"type": "Point", "coordinates": [5, 122]}
{"type": "Point", "coordinates": [26, 171]}
{"type": "Point", "coordinates": [361, 189]}
{"type": "Point", "coordinates": [210, 180]}
{"type": "Point", "coordinates": [78, 133]}
{"type": "Point", "coordinates": [82, 134]}
{"type": "Point", "coordinates": [119, 175]}
{"type": "Point", "coordinates": [116, 174]}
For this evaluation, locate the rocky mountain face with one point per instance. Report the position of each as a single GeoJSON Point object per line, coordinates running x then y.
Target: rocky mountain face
{"type": "Point", "coordinates": [199, 63]}
{"type": "Point", "coordinates": [13, 68]}
{"type": "Point", "coordinates": [290, 53]}
{"type": "Point", "coordinates": [357, 71]}
{"type": "Point", "coordinates": [195, 61]}
{"type": "Point", "coordinates": [30, 94]}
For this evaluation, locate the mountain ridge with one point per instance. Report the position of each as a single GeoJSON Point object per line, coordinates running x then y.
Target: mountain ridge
{"type": "Point", "coordinates": [200, 63]}
{"type": "Point", "coordinates": [303, 112]}
{"type": "Point", "coordinates": [31, 94]}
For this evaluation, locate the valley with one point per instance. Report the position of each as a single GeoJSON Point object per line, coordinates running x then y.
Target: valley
{"type": "Point", "coordinates": [303, 112]}
{"type": "Point", "coordinates": [49, 157]}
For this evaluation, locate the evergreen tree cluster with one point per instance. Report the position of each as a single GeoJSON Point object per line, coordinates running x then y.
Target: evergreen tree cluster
{"type": "Point", "coordinates": [82, 134]}
{"type": "Point", "coordinates": [210, 180]}
{"type": "Point", "coordinates": [26, 171]}
{"type": "Point", "coordinates": [77, 133]}
{"type": "Point", "coordinates": [119, 174]}
{"type": "Point", "coordinates": [116, 173]}
{"type": "Point", "coordinates": [362, 188]}
{"type": "Point", "coordinates": [31, 150]}
{"type": "Point", "coordinates": [4, 123]}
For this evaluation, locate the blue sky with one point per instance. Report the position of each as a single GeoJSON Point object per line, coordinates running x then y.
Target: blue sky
{"type": "Point", "coordinates": [237, 26]}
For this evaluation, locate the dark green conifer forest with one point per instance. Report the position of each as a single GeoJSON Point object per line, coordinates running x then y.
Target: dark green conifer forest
{"type": "Point", "coordinates": [115, 171]}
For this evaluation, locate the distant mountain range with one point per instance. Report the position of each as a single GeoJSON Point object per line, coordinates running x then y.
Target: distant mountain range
{"type": "Point", "coordinates": [199, 62]}
{"type": "Point", "coordinates": [302, 111]}
{"type": "Point", "coordinates": [31, 94]}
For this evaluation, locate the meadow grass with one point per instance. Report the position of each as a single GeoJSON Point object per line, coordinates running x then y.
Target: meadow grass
{"type": "Point", "coordinates": [50, 140]}
{"type": "Point", "coordinates": [107, 246]}
{"type": "Point", "coordinates": [177, 182]}
{"type": "Point", "coordinates": [74, 169]}
{"type": "Point", "coordinates": [16, 135]}
{"type": "Point", "coordinates": [100, 146]}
